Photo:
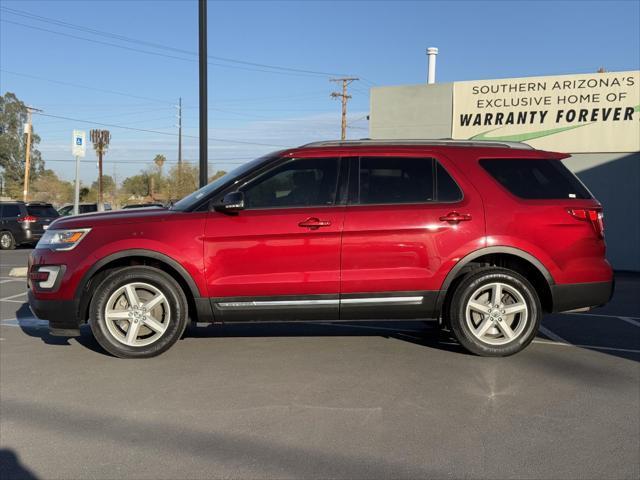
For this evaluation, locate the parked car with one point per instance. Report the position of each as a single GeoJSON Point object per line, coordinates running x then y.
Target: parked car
{"type": "Point", "coordinates": [142, 205]}
{"type": "Point", "coordinates": [83, 208]}
{"type": "Point", "coordinates": [487, 237]}
{"type": "Point", "coordinates": [24, 223]}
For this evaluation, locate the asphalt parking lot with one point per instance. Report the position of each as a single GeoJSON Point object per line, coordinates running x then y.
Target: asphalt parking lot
{"type": "Point", "coordinates": [389, 400]}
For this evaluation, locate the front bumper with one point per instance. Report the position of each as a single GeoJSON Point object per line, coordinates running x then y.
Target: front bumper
{"type": "Point", "coordinates": [61, 314]}
{"type": "Point", "coordinates": [573, 296]}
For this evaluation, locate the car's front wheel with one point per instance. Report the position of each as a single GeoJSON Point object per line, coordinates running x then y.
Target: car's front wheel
{"type": "Point", "coordinates": [495, 312]}
{"type": "Point", "coordinates": [138, 312]}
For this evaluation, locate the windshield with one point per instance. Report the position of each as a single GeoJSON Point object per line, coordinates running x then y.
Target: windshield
{"type": "Point", "coordinates": [194, 198]}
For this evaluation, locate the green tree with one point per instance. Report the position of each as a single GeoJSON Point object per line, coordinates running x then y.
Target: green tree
{"type": "Point", "coordinates": [84, 194]}
{"type": "Point", "coordinates": [137, 185]}
{"type": "Point", "coordinates": [49, 188]}
{"type": "Point", "coordinates": [182, 180]}
{"type": "Point", "coordinates": [217, 175]}
{"type": "Point", "coordinates": [108, 186]}
{"type": "Point", "coordinates": [13, 116]}
{"type": "Point", "coordinates": [159, 161]}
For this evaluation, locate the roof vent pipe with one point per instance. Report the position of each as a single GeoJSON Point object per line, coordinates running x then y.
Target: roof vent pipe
{"type": "Point", "coordinates": [432, 52]}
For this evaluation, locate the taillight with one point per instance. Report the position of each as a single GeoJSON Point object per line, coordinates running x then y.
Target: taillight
{"type": "Point", "coordinates": [27, 219]}
{"type": "Point", "coordinates": [36, 276]}
{"type": "Point", "coordinates": [591, 215]}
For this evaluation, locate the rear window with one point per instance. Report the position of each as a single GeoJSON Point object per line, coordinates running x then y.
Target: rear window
{"type": "Point", "coordinates": [10, 211]}
{"type": "Point", "coordinates": [42, 211]}
{"type": "Point", "coordinates": [535, 179]}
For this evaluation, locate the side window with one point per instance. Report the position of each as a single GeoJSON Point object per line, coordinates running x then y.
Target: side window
{"type": "Point", "coordinates": [88, 208]}
{"type": "Point", "coordinates": [447, 188]}
{"type": "Point", "coordinates": [297, 183]}
{"type": "Point", "coordinates": [64, 211]}
{"type": "Point", "coordinates": [395, 180]}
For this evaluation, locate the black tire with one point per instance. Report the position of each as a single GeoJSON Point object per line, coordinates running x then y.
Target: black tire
{"type": "Point", "coordinates": [7, 242]}
{"type": "Point", "coordinates": [175, 302]}
{"type": "Point", "coordinates": [470, 284]}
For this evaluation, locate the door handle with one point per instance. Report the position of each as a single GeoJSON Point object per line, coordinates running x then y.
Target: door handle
{"type": "Point", "coordinates": [455, 217]}
{"type": "Point", "coordinates": [314, 223]}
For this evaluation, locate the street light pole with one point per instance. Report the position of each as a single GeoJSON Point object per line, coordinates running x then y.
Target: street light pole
{"type": "Point", "coordinates": [202, 50]}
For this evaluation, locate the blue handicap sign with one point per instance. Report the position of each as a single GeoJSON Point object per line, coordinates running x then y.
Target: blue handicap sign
{"type": "Point", "coordinates": [78, 140]}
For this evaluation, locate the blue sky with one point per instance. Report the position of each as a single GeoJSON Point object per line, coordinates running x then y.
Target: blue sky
{"type": "Point", "coordinates": [383, 42]}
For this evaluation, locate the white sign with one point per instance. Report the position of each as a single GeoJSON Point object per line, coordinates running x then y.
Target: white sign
{"type": "Point", "coordinates": [598, 112]}
{"type": "Point", "coordinates": [78, 143]}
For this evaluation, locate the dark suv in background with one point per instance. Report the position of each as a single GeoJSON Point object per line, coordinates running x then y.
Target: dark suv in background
{"type": "Point", "coordinates": [24, 222]}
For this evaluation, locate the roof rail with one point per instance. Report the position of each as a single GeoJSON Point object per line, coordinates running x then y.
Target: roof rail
{"type": "Point", "coordinates": [426, 142]}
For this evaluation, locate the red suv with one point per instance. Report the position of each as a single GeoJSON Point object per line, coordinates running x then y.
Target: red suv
{"type": "Point", "coordinates": [485, 236]}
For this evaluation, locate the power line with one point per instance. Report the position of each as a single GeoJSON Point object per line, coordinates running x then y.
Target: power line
{"type": "Point", "coordinates": [124, 94]}
{"type": "Point", "coordinates": [145, 130]}
{"type": "Point", "coordinates": [64, 24]}
{"type": "Point", "coordinates": [76, 85]}
{"type": "Point", "coordinates": [133, 162]}
{"type": "Point", "coordinates": [158, 54]}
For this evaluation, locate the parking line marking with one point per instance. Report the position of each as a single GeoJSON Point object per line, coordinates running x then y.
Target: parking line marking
{"type": "Point", "coordinates": [27, 322]}
{"type": "Point", "coordinates": [7, 280]}
{"type": "Point", "coordinates": [12, 296]}
{"type": "Point", "coordinates": [553, 336]}
{"type": "Point", "coordinates": [630, 321]}
{"type": "Point", "coordinates": [601, 315]}
{"type": "Point", "coordinates": [594, 347]}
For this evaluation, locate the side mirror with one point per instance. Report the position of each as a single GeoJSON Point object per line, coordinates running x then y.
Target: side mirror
{"type": "Point", "coordinates": [232, 202]}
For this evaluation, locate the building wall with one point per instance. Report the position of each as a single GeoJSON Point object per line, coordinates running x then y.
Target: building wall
{"type": "Point", "coordinates": [425, 111]}
{"type": "Point", "coordinates": [614, 179]}
{"type": "Point", "coordinates": [399, 112]}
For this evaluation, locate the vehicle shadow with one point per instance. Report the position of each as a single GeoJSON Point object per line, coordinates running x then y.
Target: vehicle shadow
{"type": "Point", "coordinates": [34, 327]}
{"type": "Point", "coordinates": [423, 333]}
{"type": "Point", "coordinates": [11, 468]}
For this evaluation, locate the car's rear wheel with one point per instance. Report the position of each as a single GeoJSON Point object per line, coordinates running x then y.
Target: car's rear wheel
{"type": "Point", "coordinates": [138, 312]}
{"type": "Point", "coordinates": [495, 312]}
{"type": "Point", "coordinates": [7, 242]}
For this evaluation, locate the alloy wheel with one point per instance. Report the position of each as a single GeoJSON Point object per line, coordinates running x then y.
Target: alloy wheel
{"type": "Point", "coordinates": [496, 313]}
{"type": "Point", "coordinates": [137, 314]}
{"type": "Point", "coordinates": [5, 240]}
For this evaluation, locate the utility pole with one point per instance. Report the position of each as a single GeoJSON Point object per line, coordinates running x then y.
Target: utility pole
{"type": "Point", "coordinates": [202, 51]}
{"type": "Point", "coordinates": [100, 139]}
{"type": "Point", "coordinates": [115, 188]}
{"type": "Point", "coordinates": [179, 131]}
{"type": "Point", "coordinates": [345, 81]}
{"type": "Point", "coordinates": [179, 107]}
{"type": "Point", "coordinates": [28, 127]}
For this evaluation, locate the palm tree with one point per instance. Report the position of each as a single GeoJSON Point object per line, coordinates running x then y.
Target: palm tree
{"type": "Point", "coordinates": [159, 161]}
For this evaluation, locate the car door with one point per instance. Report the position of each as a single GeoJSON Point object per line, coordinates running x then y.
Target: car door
{"type": "Point", "coordinates": [279, 257]}
{"type": "Point", "coordinates": [407, 217]}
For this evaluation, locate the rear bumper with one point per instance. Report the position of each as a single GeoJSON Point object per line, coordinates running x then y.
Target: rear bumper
{"type": "Point", "coordinates": [29, 236]}
{"type": "Point", "coordinates": [61, 314]}
{"type": "Point", "coordinates": [572, 296]}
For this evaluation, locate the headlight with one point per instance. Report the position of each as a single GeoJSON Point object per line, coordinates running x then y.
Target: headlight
{"type": "Point", "coordinates": [62, 239]}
